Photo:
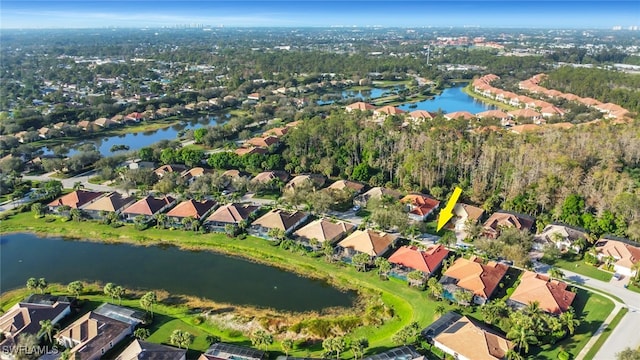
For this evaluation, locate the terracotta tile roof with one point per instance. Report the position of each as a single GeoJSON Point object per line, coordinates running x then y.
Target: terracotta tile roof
{"type": "Point", "coordinates": [420, 204]}
{"type": "Point", "coordinates": [562, 125]}
{"type": "Point", "coordinates": [525, 113]}
{"type": "Point", "coordinates": [250, 150]}
{"type": "Point", "coordinates": [369, 242]}
{"type": "Point", "coordinates": [267, 176]}
{"type": "Point", "coordinates": [473, 275]}
{"type": "Point", "coordinates": [389, 110]}
{"type": "Point", "coordinates": [590, 101]}
{"type": "Point", "coordinates": [324, 230]}
{"type": "Point", "coordinates": [142, 350]}
{"type": "Point", "coordinates": [294, 124]}
{"type": "Point", "coordinates": [492, 113]}
{"type": "Point", "coordinates": [280, 219]}
{"type": "Point", "coordinates": [468, 211]}
{"type": "Point", "coordinates": [111, 202]}
{"type": "Point", "coordinates": [507, 219]}
{"type": "Point", "coordinates": [460, 114]}
{"type": "Point", "coordinates": [626, 255]}
{"type": "Point", "coordinates": [346, 184]}
{"type": "Point", "coordinates": [570, 97]}
{"type": "Point", "coordinates": [169, 169]}
{"type": "Point", "coordinates": [194, 172]}
{"type": "Point", "coordinates": [192, 208]}
{"type": "Point", "coordinates": [148, 205]}
{"type": "Point", "coordinates": [474, 341]}
{"type": "Point", "coordinates": [76, 199]}
{"type": "Point", "coordinates": [232, 213]}
{"type": "Point", "coordinates": [378, 192]}
{"type": "Point", "coordinates": [421, 114]}
{"type": "Point", "coordinates": [315, 179]}
{"type": "Point", "coordinates": [362, 106]}
{"type": "Point", "coordinates": [424, 260]}
{"type": "Point", "coordinates": [233, 173]}
{"type": "Point", "coordinates": [552, 295]}
{"type": "Point", "coordinates": [552, 110]}
{"type": "Point", "coordinates": [279, 132]}
{"type": "Point", "coordinates": [520, 129]}
{"type": "Point", "coordinates": [263, 141]}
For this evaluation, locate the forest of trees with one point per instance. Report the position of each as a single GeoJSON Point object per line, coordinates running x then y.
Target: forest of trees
{"type": "Point", "coordinates": [532, 173]}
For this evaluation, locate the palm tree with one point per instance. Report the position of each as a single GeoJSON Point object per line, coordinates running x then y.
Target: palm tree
{"type": "Point", "coordinates": [568, 319]}
{"type": "Point", "coordinates": [37, 209]}
{"type": "Point", "coordinates": [358, 347]}
{"type": "Point", "coordinates": [230, 230]}
{"type": "Point", "coordinates": [435, 288]}
{"type": "Point", "coordinates": [415, 278]}
{"type": "Point", "coordinates": [513, 355]}
{"type": "Point", "coordinates": [32, 284]}
{"type": "Point", "coordinates": [384, 266]}
{"type": "Point", "coordinates": [75, 287]}
{"type": "Point", "coordinates": [186, 222]}
{"type": "Point", "coordinates": [636, 268]}
{"type": "Point", "coordinates": [119, 292]}
{"type": "Point", "coordinates": [181, 338]}
{"type": "Point", "coordinates": [141, 333]}
{"type": "Point", "coordinates": [78, 185]}
{"type": "Point", "coordinates": [522, 337]}
{"type": "Point", "coordinates": [261, 338]}
{"type": "Point", "coordinates": [108, 289]}
{"type": "Point", "coordinates": [286, 345]}
{"type": "Point", "coordinates": [360, 261]}
{"type": "Point", "coordinates": [148, 300]}
{"type": "Point", "coordinates": [556, 273]}
{"type": "Point", "coordinates": [439, 311]}
{"type": "Point", "coordinates": [46, 330]}
{"type": "Point", "coordinates": [161, 220]}
{"type": "Point", "coordinates": [42, 285]}
{"type": "Point", "coordinates": [75, 214]}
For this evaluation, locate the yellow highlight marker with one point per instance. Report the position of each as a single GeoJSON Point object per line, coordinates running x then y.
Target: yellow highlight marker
{"type": "Point", "coordinates": [447, 213]}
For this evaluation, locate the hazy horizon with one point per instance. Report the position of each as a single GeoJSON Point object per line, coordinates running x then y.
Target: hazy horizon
{"type": "Point", "coordinates": [77, 14]}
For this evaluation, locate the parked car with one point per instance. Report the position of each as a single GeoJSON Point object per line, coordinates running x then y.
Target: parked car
{"type": "Point", "coordinates": [617, 276]}
{"type": "Point", "coordinates": [356, 208]}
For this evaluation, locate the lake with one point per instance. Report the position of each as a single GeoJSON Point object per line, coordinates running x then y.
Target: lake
{"type": "Point", "coordinates": [204, 274]}
{"type": "Point", "coordinates": [450, 100]}
{"type": "Point", "coordinates": [138, 140]}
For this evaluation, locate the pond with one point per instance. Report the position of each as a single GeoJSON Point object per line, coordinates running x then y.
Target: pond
{"type": "Point", "coordinates": [138, 140]}
{"type": "Point", "coordinates": [217, 277]}
{"type": "Point", "coordinates": [450, 100]}
{"type": "Point", "coordinates": [369, 94]}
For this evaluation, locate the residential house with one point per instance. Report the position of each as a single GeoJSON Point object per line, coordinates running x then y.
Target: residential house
{"type": "Point", "coordinates": [421, 115]}
{"type": "Point", "coordinates": [551, 295]}
{"type": "Point", "coordinates": [268, 176]}
{"type": "Point", "coordinates": [224, 351]}
{"type": "Point", "coordinates": [388, 111]}
{"type": "Point", "coordinates": [624, 254]}
{"type": "Point", "coordinates": [118, 119]}
{"type": "Point", "coordinates": [495, 114]}
{"type": "Point", "coordinates": [420, 206]}
{"type": "Point", "coordinates": [372, 243]}
{"type": "Point", "coordinates": [44, 132]}
{"type": "Point", "coordinates": [254, 96]}
{"type": "Point", "coordinates": [104, 123]}
{"type": "Point", "coordinates": [376, 193]}
{"type": "Point", "coordinates": [192, 174]}
{"type": "Point", "coordinates": [314, 180]}
{"type": "Point", "coordinates": [359, 106]}
{"type": "Point", "coordinates": [466, 339]}
{"type": "Point", "coordinates": [278, 219]}
{"type": "Point", "coordinates": [502, 219]}
{"type": "Point", "coordinates": [565, 237]}
{"type": "Point", "coordinates": [347, 185]}
{"type": "Point", "coordinates": [230, 214]}
{"type": "Point", "coordinates": [277, 132]}
{"type": "Point", "coordinates": [409, 258]}
{"type": "Point", "coordinates": [139, 164]}
{"type": "Point", "coordinates": [570, 97]}
{"type": "Point", "coordinates": [112, 202]}
{"type": "Point", "coordinates": [250, 150]}
{"type": "Point", "coordinates": [527, 114]}
{"type": "Point", "coordinates": [24, 318]}
{"type": "Point", "coordinates": [324, 230]}
{"type": "Point", "coordinates": [263, 142]}
{"type": "Point", "coordinates": [75, 200]}
{"type": "Point", "coordinates": [472, 275]}
{"type": "Point", "coordinates": [551, 111]}
{"type": "Point", "coordinates": [189, 209]}
{"type": "Point", "coordinates": [142, 350]}
{"type": "Point", "coordinates": [84, 125]}
{"type": "Point", "coordinates": [457, 115]}
{"type": "Point", "coordinates": [134, 117]}
{"type": "Point", "coordinates": [91, 336]}
{"type": "Point", "coordinates": [591, 102]}
{"type": "Point", "coordinates": [464, 213]}
{"type": "Point", "coordinates": [124, 314]}
{"type": "Point", "coordinates": [520, 100]}
{"type": "Point", "coordinates": [525, 128]}
{"type": "Point", "coordinates": [167, 169]}
{"type": "Point", "coordinates": [148, 207]}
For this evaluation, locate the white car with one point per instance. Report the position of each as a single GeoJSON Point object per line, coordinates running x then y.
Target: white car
{"type": "Point", "coordinates": [356, 208]}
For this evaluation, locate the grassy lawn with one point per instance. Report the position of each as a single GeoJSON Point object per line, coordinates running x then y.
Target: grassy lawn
{"type": "Point", "coordinates": [633, 287]}
{"type": "Point", "coordinates": [605, 334]}
{"type": "Point", "coordinates": [582, 268]}
{"type": "Point", "coordinates": [408, 304]}
{"type": "Point", "coordinates": [592, 310]}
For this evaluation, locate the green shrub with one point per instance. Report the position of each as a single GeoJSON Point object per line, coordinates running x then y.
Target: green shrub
{"type": "Point", "coordinates": [198, 320]}
{"type": "Point", "coordinates": [235, 333]}
{"type": "Point", "coordinates": [563, 355]}
{"type": "Point", "coordinates": [509, 292]}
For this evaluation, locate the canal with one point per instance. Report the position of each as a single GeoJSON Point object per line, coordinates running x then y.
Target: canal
{"type": "Point", "coordinates": [205, 274]}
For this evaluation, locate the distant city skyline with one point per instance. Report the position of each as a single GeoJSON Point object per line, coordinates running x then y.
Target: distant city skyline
{"type": "Point", "coordinates": [28, 14]}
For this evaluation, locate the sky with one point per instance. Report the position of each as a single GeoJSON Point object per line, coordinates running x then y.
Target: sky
{"type": "Point", "coordinates": [23, 14]}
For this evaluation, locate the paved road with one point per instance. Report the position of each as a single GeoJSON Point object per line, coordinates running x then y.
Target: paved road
{"type": "Point", "coordinates": [627, 333]}
{"type": "Point", "coordinates": [70, 182]}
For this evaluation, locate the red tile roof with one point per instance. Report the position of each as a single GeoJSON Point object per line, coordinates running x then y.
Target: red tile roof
{"type": "Point", "coordinates": [421, 204]}
{"type": "Point", "coordinates": [551, 295]}
{"type": "Point", "coordinates": [192, 208]}
{"type": "Point", "coordinates": [76, 199]}
{"type": "Point", "coordinates": [414, 258]}
{"type": "Point", "coordinates": [232, 213]}
{"type": "Point", "coordinates": [473, 275]}
{"type": "Point", "coordinates": [148, 205]}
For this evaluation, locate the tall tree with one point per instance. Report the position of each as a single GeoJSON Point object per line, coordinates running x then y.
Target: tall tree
{"type": "Point", "coordinates": [75, 287]}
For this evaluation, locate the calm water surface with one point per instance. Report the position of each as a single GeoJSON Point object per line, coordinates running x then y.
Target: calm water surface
{"type": "Point", "coordinates": [450, 100]}
{"type": "Point", "coordinates": [204, 274]}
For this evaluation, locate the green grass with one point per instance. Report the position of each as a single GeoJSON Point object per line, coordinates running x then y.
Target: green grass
{"type": "Point", "coordinates": [593, 309]}
{"type": "Point", "coordinates": [408, 304]}
{"type": "Point", "coordinates": [605, 334]}
{"type": "Point", "coordinates": [582, 268]}
{"type": "Point", "coordinates": [633, 287]}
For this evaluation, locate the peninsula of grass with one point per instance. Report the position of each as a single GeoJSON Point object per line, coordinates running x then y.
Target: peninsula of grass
{"type": "Point", "coordinates": [407, 304]}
